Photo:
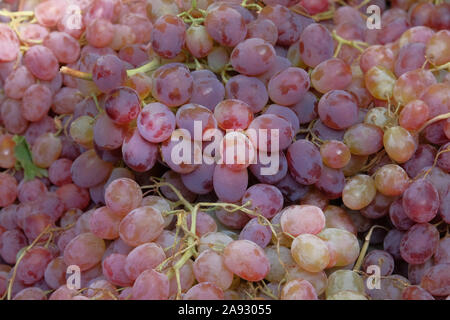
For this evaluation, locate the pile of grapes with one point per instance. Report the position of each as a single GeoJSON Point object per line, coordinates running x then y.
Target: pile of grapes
{"type": "Point", "coordinates": [94, 95]}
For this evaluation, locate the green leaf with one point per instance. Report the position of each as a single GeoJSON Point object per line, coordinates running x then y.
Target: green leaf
{"type": "Point", "coordinates": [25, 160]}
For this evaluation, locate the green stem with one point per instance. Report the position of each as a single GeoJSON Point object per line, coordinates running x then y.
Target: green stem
{"type": "Point", "coordinates": [150, 66]}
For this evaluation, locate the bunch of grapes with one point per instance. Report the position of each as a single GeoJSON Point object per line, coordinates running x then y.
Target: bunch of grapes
{"type": "Point", "coordinates": [97, 96]}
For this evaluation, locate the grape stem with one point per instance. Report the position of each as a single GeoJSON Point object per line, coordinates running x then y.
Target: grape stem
{"type": "Point", "coordinates": [7, 13]}
{"type": "Point", "coordinates": [150, 66]}
{"type": "Point", "coordinates": [352, 43]}
{"type": "Point", "coordinates": [365, 247]}
{"type": "Point", "coordinates": [13, 277]}
{"type": "Point", "coordinates": [254, 6]}
{"type": "Point", "coordinates": [433, 120]}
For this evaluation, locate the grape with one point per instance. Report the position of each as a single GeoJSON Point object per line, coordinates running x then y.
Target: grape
{"type": "Point", "coordinates": [442, 254]}
{"type": "Point", "coordinates": [32, 267]}
{"type": "Point", "coordinates": [338, 109]}
{"type": "Point", "coordinates": [344, 243]}
{"type": "Point", "coordinates": [416, 293]}
{"type": "Point", "coordinates": [304, 161]}
{"type": "Point", "coordinates": [34, 224]}
{"type": "Point", "coordinates": [168, 36]}
{"type": "Point", "coordinates": [310, 252]}
{"type": "Point", "coordinates": [419, 243]}
{"type": "Point", "coordinates": [213, 241]}
{"type": "Point", "coordinates": [108, 73]}
{"type": "Point", "coordinates": [187, 279]}
{"type": "Point", "coordinates": [265, 199]}
{"type": "Point", "coordinates": [414, 115]}
{"type": "Point", "coordinates": [438, 48]}
{"type": "Point", "coordinates": [41, 62]}
{"type": "Point", "coordinates": [65, 100]}
{"type": "Point", "coordinates": [250, 90]}
{"type": "Point", "coordinates": [267, 127]}
{"type": "Point", "coordinates": [8, 189]}
{"type": "Point", "coordinates": [36, 102]}
{"type": "Point", "coordinates": [288, 86]}
{"type": "Point", "coordinates": [141, 225]}
{"type": "Point", "coordinates": [335, 154]}
{"type": "Point", "coordinates": [114, 270]}
{"type": "Point", "coordinates": [377, 55]}
{"type": "Point", "coordinates": [434, 133]}
{"type": "Point", "coordinates": [315, 197]}
{"type": "Point", "coordinates": [89, 170]}
{"type": "Point", "coordinates": [410, 57]}
{"type": "Point", "coordinates": [172, 84]}
{"type": "Point", "coordinates": [337, 217]}
{"type": "Point", "coordinates": [198, 41]}
{"type": "Point", "coordinates": [225, 25]}
{"type": "Point", "coordinates": [134, 55]}
{"type": "Point", "coordinates": [151, 285]}
{"type": "Point", "coordinates": [17, 82]}
{"type": "Point", "coordinates": [85, 251]}
{"type": "Point", "coordinates": [55, 273]}
{"type": "Point", "coordinates": [73, 196]}
{"type": "Point", "coordinates": [104, 223]}
{"type": "Point", "coordinates": [122, 196]}
{"type": "Point", "coordinates": [398, 216]}
{"type": "Point", "coordinates": [340, 81]}
{"type": "Point", "coordinates": [11, 242]}
{"type": "Point", "coordinates": [10, 44]}
{"type": "Point", "coordinates": [100, 33]}
{"type": "Point", "coordinates": [262, 56]}
{"type": "Point", "coordinates": [209, 267]}
{"type": "Point", "coordinates": [282, 112]}
{"type": "Point", "coordinates": [65, 48]}
{"type": "Point", "coordinates": [264, 29]}
{"type": "Point", "coordinates": [316, 45]}
{"type": "Point", "coordinates": [265, 173]}
{"type": "Point", "coordinates": [204, 291]}
{"type": "Point", "coordinates": [218, 59]}
{"type": "Point", "coordinates": [380, 82]}
{"type": "Point", "coordinates": [423, 157]}
{"type": "Point", "coordinates": [46, 149]}
{"type": "Point", "coordinates": [232, 220]}
{"type": "Point", "coordinates": [412, 84]}
{"type": "Point", "coordinates": [138, 154]}
{"type": "Point", "coordinates": [204, 223]}
{"type": "Point", "coordinates": [174, 179]}
{"type": "Point", "coordinates": [391, 180]}
{"type": "Point", "coordinates": [179, 153]}
{"type": "Point", "coordinates": [229, 185]}
{"type": "Point", "coordinates": [246, 259]}
{"type": "Point", "coordinates": [31, 293]}
{"type": "Point", "coordinates": [188, 114]}
{"type": "Point", "coordinates": [344, 280]}
{"type": "Point", "coordinates": [364, 139]}
{"type": "Point", "coordinates": [379, 258]}
{"type": "Point", "coordinates": [279, 64]}
{"type": "Point", "coordinates": [82, 131]}
{"type": "Point", "coordinates": [298, 290]}
{"type": "Point", "coordinates": [207, 90]}
{"type": "Point", "coordinates": [436, 279]}
{"type": "Point", "coordinates": [7, 154]}
{"type": "Point", "coordinates": [11, 114]}
{"type": "Point", "coordinates": [156, 122]}
{"type": "Point", "coordinates": [256, 232]}
{"type": "Point", "coordinates": [303, 219]}
{"type": "Point", "coordinates": [122, 105]}
{"type": "Point", "coordinates": [421, 201]}
{"type": "Point", "coordinates": [140, 24]}
{"type": "Point", "coordinates": [200, 180]}
{"type": "Point", "coordinates": [359, 192]}
{"type": "Point", "coordinates": [399, 144]}
{"type": "Point", "coordinates": [144, 257]}
{"type": "Point", "coordinates": [331, 182]}
{"type": "Point", "coordinates": [31, 190]}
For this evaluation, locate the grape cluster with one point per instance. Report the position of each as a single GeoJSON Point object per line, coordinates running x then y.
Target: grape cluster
{"type": "Point", "coordinates": [96, 97]}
